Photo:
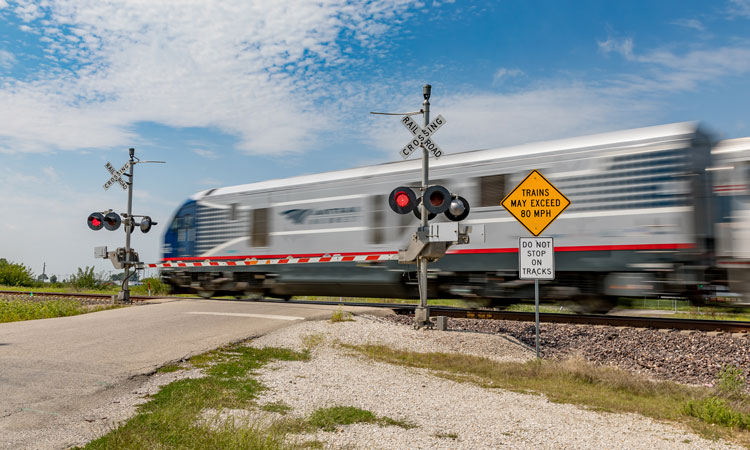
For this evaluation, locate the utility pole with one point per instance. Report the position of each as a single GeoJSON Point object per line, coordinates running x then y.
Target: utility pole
{"type": "Point", "coordinates": [422, 314]}
{"type": "Point", "coordinates": [124, 296]}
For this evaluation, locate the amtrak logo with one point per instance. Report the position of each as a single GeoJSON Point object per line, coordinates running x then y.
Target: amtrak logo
{"type": "Point", "coordinates": [321, 216]}
{"type": "Point", "coordinates": [297, 216]}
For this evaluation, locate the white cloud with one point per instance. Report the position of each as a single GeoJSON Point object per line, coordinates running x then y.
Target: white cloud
{"type": "Point", "coordinates": [50, 173]}
{"type": "Point", "coordinates": [502, 73]}
{"type": "Point", "coordinates": [257, 70]}
{"type": "Point", "coordinates": [695, 24]}
{"type": "Point", "coordinates": [7, 59]}
{"type": "Point", "coordinates": [622, 46]}
{"type": "Point", "coordinates": [208, 154]}
{"type": "Point", "coordinates": [478, 120]}
{"type": "Point", "coordinates": [665, 70]}
{"type": "Point", "coordinates": [739, 8]}
{"type": "Point", "coordinates": [209, 182]}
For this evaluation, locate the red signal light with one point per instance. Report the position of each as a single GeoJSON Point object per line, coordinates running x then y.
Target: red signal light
{"type": "Point", "coordinates": [437, 199]}
{"type": "Point", "coordinates": [95, 221]}
{"type": "Point", "coordinates": [402, 200]}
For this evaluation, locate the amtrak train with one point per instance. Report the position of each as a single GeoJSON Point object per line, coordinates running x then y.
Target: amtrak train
{"type": "Point", "coordinates": [646, 219]}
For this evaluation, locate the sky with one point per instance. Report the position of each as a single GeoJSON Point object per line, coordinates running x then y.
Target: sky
{"type": "Point", "coordinates": [236, 91]}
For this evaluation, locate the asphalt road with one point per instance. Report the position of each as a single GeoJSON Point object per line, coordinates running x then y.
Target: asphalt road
{"type": "Point", "coordinates": [54, 371]}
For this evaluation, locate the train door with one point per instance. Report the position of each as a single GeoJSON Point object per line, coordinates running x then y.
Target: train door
{"type": "Point", "coordinates": [185, 230]}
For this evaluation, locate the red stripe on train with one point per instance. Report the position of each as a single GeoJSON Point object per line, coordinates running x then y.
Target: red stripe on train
{"type": "Point", "coordinates": [372, 256]}
{"type": "Point", "coordinates": [300, 255]}
{"type": "Point", "coordinates": [581, 248]}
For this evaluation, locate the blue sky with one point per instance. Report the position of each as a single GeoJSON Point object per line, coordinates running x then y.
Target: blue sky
{"type": "Point", "coordinates": [231, 92]}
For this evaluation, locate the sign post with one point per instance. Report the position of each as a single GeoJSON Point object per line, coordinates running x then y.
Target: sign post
{"type": "Point", "coordinates": [536, 260]}
{"type": "Point", "coordinates": [536, 203]}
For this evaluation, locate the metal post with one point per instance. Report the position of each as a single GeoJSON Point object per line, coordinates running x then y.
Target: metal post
{"type": "Point", "coordinates": [125, 294]}
{"type": "Point", "coordinates": [536, 314]}
{"type": "Point", "coordinates": [422, 315]}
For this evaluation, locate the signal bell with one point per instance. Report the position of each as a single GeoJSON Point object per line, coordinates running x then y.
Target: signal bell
{"type": "Point", "coordinates": [458, 210]}
{"type": "Point", "coordinates": [146, 224]}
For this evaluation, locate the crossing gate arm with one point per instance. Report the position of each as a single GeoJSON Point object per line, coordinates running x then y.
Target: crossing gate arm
{"type": "Point", "coordinates": [273, 261]}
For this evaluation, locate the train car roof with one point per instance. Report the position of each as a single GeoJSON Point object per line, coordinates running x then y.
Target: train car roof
{"type": "Point", "coordinates": [631, 137]}
{"type": "Point", "coordinates": [731, 146]}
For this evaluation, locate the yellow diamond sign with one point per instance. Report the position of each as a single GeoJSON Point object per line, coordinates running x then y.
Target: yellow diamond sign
{"type": "Point", "coordinates": [535, 202]}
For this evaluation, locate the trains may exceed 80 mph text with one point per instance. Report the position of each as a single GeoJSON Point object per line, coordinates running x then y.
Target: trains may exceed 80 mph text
{"type": "Point", "coordinates": [535, 202]}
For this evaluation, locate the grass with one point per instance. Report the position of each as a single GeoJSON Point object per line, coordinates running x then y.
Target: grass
{"type": "Point", "coordinates": [18, 310]}
{"type": "Point", "coordinates": [341, 316]}
{"type": "Point", "coordinates": [171, 418]}
{"type": "Point", "coordinates": [577, 382]}
{"type": "Point", "coordinates": [174, 417]}
{"type": "Point", "coordinates": [328, 419]}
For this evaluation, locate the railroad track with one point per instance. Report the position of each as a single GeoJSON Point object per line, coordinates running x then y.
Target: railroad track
{"type": "Point", "coordinates": [728, 326]}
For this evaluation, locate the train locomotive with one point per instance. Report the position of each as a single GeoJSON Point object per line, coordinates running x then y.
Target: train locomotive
{"type": "Point", "coordinates": [646, 219]}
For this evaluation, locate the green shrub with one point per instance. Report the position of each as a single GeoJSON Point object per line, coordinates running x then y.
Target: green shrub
{"type": "Point", "coordinates": [719, 411]}
{"type": "Point", "coordinates": [341, 316]}
{"type": "Point", "coordinates": [157, 287]}
{"type": "Point", "coordinates": [12, 274]}
{"type": "Point", "coordinates": [86, 279]}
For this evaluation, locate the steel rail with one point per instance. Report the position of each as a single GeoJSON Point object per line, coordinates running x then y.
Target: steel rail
{"type": "Point", "coordinates": [729, 326]}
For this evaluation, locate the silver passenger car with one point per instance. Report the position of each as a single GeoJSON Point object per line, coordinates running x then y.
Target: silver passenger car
{"type": "Point", "coordinates": [640, 223]}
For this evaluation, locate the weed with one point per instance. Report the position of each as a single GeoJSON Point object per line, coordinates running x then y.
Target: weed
{"type": "Point", "coordinates": [719, 411]}
{"type": "Point", "coordinates": [277, 407]}
{"type": "Point", "coordinates": [731, 381]}
{"type": "Point", "coordinates": [341, 316]}
{"type": "Point", "coordinates": [311, 341]}
{"type": "Point", "coordinates": [170, 368]}
{"type": "Point", "coordinates": [453, 436]}
{"type": "Point", "coordinates": [17, 310]}
{"type": "Point", "coordinates": [578, 382]}
{"type": "Point", "coordinates": [329, 418]}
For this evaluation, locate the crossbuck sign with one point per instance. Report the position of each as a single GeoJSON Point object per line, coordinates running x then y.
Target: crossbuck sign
{"type": "Point", "coordinates": [422, 136]}
{"type": "Point", "coordinates": [116, 176]}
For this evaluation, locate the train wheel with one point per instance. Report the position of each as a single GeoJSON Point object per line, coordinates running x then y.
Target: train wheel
{"type": "Point", "coordinates": [205, 293]}
{"type": "Point", "coordinates": [591, 303]}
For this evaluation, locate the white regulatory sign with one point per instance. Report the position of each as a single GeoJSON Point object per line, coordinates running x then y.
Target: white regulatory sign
{"type": "Point", "coordinates": [536, 258]}
{"type": "Point", "coordinates": [422, 136]}
{"type": "Point", "coordinates": [116, 176]}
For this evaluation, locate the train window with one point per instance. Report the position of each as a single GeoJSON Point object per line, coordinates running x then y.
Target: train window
{"type": "Point", "coordinates": [233, 212]}
{"type": "Point", "coordinates": [259, 228]}
{"type": "Point", "coordinates": [491, 190]}
{"type": "Point", "coordinates": [377, 219]}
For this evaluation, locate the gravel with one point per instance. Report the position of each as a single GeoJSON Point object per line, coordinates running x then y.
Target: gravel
{"type": "Point", "coordinates": [690, 358]}
{"type": "Point", "coordinates": [447, 414]}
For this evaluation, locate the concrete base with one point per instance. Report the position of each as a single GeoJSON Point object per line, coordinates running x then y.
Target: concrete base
{"type": "Point", "coordinates": [442, 323]}
{"type": "Point", "coordinates": [422, 318]}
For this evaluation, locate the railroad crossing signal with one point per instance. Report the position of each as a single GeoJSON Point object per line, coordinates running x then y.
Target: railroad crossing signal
{"type": "Point", "coordinates": [111, 221]}
{"type": "Point", "coordinates": [535, 203]}
{"type": "Point", "coordinates": [116, 176]}
{"type": "Point", "coordinates": [438, 200]}
{"type": "Point", "coordinates": [422, 136]}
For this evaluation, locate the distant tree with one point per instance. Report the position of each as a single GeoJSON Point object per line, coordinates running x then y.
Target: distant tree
{"type": "Point", "coordinates": [12, 274]}
{"type": "Point", "coordinates": [121, 275]}
{"type": "Point", "coordinates": [53, 279]}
